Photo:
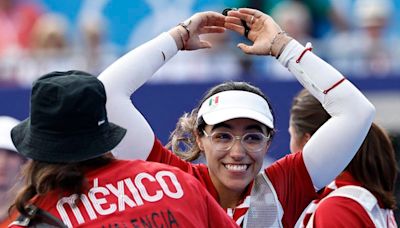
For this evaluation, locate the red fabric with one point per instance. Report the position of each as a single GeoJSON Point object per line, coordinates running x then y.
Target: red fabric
{"type": "Point", "coordinates": [289, 177]}
{"type": "Point", "coordinates": [293, 186]}
{"type": "Point", "coordinates": [199, 171]}
{"type": "Point", "coordinates": [8, 220]}
{"type": "Point", "coordinates": [341, 212]}
{"type": "Point", "coordinates": [151, 202]}
{"type": "Point", "coordinates": [347, 212]}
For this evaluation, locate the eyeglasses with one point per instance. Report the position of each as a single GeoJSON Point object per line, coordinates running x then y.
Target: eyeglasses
{"type": "Point", "coordinates": [252, 142]}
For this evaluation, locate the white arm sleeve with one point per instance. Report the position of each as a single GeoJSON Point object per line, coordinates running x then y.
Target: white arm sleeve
{"type": "Point", "coordinates": [121, 79]}
{"type": "Point", "coordinates": [334, 145]}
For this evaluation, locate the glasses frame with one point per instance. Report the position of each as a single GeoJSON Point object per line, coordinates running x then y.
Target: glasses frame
{"type": "Point", "coordinates": [237, 137]}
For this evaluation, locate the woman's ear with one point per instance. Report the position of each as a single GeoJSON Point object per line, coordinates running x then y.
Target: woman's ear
{"type": "Point", "coordinates": [306, 137]}
{"type": "Point", "coordinates": [198, 140]}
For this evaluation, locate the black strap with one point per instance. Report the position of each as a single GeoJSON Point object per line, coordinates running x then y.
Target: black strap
{"type": "Point", "coordinates": [39, 218]}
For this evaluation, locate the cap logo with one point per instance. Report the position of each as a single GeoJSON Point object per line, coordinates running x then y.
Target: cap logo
{"type": "Point", "coordinates": [100, 122]}
{"type": "Point", "coordinates": [213, 101]}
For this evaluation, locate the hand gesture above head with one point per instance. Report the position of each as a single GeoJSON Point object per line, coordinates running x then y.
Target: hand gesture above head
{"type": "Point", "coordinates": [266, 35]}
{"type": "Point", "coordinates": [187, 34]}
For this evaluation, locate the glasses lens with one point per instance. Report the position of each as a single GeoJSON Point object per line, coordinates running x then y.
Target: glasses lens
{"type": "Point", "coordinates": [222, 140]}
{"type": "Point", "coordinates": [254, 142]}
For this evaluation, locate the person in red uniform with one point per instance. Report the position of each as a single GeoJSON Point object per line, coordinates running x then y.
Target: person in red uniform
{"type": "Point", "coordinates": [234, 124]}
{"type": "Point", "coordinates": [73, 180]}
{"type": "Point", "coordinates": [373, 168]}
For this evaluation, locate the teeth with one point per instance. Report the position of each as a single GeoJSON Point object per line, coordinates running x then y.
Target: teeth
{"type": "Point", "coordinates": [236, 167]}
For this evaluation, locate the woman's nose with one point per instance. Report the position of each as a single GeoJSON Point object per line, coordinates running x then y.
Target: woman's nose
{"type": "Point", "coordinates": [237, 151]}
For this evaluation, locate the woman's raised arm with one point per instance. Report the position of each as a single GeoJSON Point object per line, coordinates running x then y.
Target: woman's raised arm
{"type": "Point", "coordinates": [333, 146]}
{"type": "Point", "coordinates": [133, 69]}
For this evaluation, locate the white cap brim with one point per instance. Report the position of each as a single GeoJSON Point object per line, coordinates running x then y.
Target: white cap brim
{"type": "Point", "coordinates": [234, 113]}
{"type": "Point", "coordinates": [235, 104]}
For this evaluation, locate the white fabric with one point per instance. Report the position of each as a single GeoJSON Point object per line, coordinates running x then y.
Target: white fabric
{"type": "Point", "coordinates": [244, 205]}
{"type": "Point", "coordinates": [312, 206]}
{"type": "Point", "coordinates": [6, 124]}
{"type": "Point", "coordinates": [265, 209]}
{"type": "Point", "coordinates": [382, 218]}
{"type": "Point", "coordinates": [120, 80]}
{"type": "Point", "coordinates": [327, 153]}
{"type": "Point", "coordinates": [335, 143]}
{"type": "Point", "coordinates": [233, 104]}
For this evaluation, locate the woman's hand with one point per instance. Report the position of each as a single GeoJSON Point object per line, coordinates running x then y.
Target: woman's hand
{"type": "Point", "coordinates": [187, 34]}
{"type": "Point", "coordinates": [266, 35]}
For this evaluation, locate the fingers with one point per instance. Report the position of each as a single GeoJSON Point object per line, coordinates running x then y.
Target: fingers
{"type": "Point", "coordinates": [212, 14]}
{"type": "Point", "coordinates": [238, 15]}
{"type": "Point", "coordinates": [213, 19]}
{"type": "Point", "coordinates": [207, 22]}
{"type": "Point", "coordinates": [240, 22]}
{"type": "Point", "coordinates": [233, 20]}
{"type": "Point", "coordinates": [251, 12]}
{"type": "Point", "coordinates": [235, 27]}
{"type": "Point", "coordinates": [246, 14]}
{"type": "Point", "coordinates": [211, 29]}
{"type": "Point", "coordinates": [245, 48]}
{"type": "Point", "coordinates": [199, 45]}
{"type": "Point", "coordinates": [205, 44]}
{"type": "Point", "coordinates": [248, 18]}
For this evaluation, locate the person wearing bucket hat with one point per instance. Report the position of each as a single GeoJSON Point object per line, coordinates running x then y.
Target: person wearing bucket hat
{"type": "Point", "coordinates": [68, 121]}
{"type": "Point", "coordinates": [73, 180]}
{"type": "Point", "coordinates": [10, 165]}
{"type": "Point", "coordinates": [363, 194]}
{"type": "Point", "coordinates": [233, 125]}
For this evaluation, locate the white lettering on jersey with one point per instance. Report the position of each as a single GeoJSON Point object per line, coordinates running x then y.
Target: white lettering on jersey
{"type": "Point", "coordinates": [95, 201]}
{"type": "Point", "coordinates": [71, 201]}
{"type": "Point", "coordinates": [160, 178]}
{"type": "Point", "coordinates": [119, 193]}
{"type": "Point", "coordinates": [134, 191]}
{"type": "Point", "coordinates": [142, 189]}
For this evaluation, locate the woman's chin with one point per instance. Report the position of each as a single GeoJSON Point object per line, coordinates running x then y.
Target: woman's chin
{"type": "Point", "coordinates": [237, 185]}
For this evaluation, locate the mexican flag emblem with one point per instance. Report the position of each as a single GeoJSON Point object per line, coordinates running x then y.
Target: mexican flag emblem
{"type": "Point", "coordinates": [213, 101]}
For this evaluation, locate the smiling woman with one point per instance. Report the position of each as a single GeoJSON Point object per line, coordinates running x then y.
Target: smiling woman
{"type": "Point", "coordinates": [235, 167]}
{"type": "Point", "coordinates": [233, 124]}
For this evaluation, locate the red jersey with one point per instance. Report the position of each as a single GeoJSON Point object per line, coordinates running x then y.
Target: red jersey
{"type": "Point", "coordinates": [348, 212]}
{"type": "Point", "coordinates": [288, 176]}
{"type": "Point", "coordinates": [137, 194]}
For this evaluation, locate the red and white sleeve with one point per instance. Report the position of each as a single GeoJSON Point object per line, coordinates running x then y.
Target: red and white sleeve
{"type": "Point", "coordinates": [333, 146]}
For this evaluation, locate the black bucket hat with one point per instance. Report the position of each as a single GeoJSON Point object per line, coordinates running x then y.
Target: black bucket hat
{"type": "Point", "coordinates": [68, 120]}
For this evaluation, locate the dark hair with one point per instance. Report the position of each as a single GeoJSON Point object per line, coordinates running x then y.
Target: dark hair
{"type": "Point", "coordinates": [307, 114]}
{"type": "Point", "coordinates": [374, 165]}
{"type": "Point", "coordinates": [42, 177]}
{"type": "Point", "coordinates": [182, 140]}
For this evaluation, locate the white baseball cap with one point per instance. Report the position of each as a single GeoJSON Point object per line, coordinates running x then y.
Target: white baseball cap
{"type": "Point", "coordinates": [6, 124]}
{"type": "Point", "coordinates": [234, 104]}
